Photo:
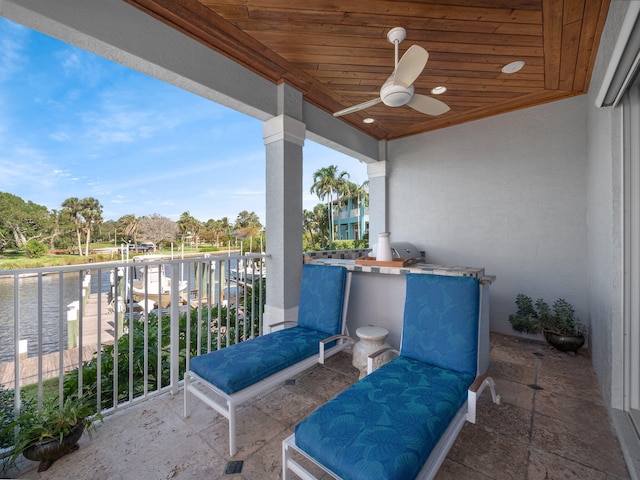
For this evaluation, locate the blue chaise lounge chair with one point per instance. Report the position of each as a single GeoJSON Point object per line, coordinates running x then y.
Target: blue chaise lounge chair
{"type": "Point", "coordinates": [225, 378]}
{"type": "Point", "coordinates": [400, 421]}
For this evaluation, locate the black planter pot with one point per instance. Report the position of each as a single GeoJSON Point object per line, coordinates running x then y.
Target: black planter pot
{"type": "Point", "coordinates": [564, 343]}
{"type": "Point", "coordinates": [49, 451]}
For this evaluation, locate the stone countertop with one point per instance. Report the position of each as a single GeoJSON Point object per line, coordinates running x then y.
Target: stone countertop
{"type": "Point", "coordinates": [427, 268]}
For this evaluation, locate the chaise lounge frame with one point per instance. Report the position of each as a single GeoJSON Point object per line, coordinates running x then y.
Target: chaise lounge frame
{"type": "Point", "coordinates": [226, 404]}
{"type": "Point", "coordinates": [466, 413]}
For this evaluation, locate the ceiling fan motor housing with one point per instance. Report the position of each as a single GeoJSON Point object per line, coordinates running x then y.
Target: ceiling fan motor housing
{"type": "Point", "coordinates": [398, 89]}
{"type": "Point", "coordinates": [395, 95]}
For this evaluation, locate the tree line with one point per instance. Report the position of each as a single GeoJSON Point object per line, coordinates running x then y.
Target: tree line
{"type": "Point", "coordinates": [34, 229]}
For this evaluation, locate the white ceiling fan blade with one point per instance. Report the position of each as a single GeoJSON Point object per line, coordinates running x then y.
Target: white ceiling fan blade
{"type": "Point", "coordinates": [411, 65]}
{"type": "Point", "coordinates": [428, 105]}
{"type": "Point", "coordinates": [356, 108]}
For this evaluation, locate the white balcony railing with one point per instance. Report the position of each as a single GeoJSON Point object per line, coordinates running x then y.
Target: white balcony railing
{"type": "Point", "coordinates": [131, 326]}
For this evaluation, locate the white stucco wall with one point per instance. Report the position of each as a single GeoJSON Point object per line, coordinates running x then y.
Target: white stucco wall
{"type": "Point", "coordinates": [509, 194]}
{"type": "Point", "coordinates": [605, 220]}
{"type": "Point", "coordinates": [606, 233]}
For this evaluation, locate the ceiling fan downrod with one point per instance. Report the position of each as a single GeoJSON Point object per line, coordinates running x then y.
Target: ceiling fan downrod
{"type": "Point", "coordinates": [395, 36]}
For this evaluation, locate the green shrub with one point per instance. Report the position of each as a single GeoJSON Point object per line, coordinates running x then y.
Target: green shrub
{"type": "Point", "coordinates": [561, 318]}
{"type": "Point", "coordinates": [7, 415]}
{"type": "Point", "coordinates": [208, 249]}
{"type": "Point", "coordinates": [35, 249]}
{"type": "Point", "coordinates": [526, 319]}
{"type": "Point", "coordinates": [537, 318]}
{"type": "Point", "coordinates": [158, 375]}
{"type": "Point", "coordinates": [336, 245]}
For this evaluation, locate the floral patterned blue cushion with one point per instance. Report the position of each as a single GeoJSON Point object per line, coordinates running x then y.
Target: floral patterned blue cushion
{"type": "Point", "coordinates": [385, 426]}
{"type": "Point", "coordinates": [236, 367]}
{"type": "Point", "coordinates": [440, 324]}
{"type": "Point", "coordinates": [233, 368]}
{"type": "Point", "coordinates": [322, 294]}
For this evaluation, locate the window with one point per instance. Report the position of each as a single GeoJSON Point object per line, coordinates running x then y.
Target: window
{"type": "Point", "coordinates": [631, 102]}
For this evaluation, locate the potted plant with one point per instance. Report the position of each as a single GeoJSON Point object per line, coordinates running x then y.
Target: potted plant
{"type": "Point", "coordinates": [559, 324]}
{"type": "Point", "coordinates": [52, 432]}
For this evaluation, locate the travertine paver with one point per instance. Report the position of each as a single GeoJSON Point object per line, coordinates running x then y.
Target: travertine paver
{"type": "Point", "coordinates": [551, 424]}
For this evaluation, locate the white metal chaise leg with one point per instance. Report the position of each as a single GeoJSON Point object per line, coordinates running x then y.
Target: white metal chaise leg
{"type": "Point", "coordinates": [187, 398]}
{"type": "Point", "coordinates": [475, 390]}
{"type": "Point", "coordinates": [233, 448]}
{"type": "Point", "coordinates": [286, 455]}
{"type": "Point", "coordinates": [289, 465]}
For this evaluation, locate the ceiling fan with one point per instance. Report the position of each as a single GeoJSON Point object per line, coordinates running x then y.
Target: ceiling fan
{"type": "Point", "coordinates": [398, 89]}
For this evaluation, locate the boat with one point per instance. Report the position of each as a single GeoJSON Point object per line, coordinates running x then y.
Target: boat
{"type": "Point", "coordinates": [151, 282]}
{"type": "Point", "coordinates": [247, 271]}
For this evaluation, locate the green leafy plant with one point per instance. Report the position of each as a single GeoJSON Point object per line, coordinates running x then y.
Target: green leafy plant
{"type": "Point", "coordinates": [526, 318]}
{"type": "Point", "coordinates": [537, 318]}
{"type": "Point", "coordinates": [158, 334]}
{"type": "Point", "coordinates": [51, 423]}
{"type": "Point", "coordinates": [6, 417]}
{"type": "Point", "coordinates": [561, 318]}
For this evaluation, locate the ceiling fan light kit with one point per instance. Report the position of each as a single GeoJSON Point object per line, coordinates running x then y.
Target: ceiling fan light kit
{"type": "Point", "coordinates": [393, 95]}
{"type": "Point", "coordinates": [398, 90]}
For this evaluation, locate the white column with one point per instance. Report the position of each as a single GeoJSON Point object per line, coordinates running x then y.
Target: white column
{"type": "Point", "coordinates": [283, 138]}
{"type": "Point", "coordinates": [377, 173]}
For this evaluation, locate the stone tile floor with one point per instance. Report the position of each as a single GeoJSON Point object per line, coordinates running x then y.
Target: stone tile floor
{"type": "Point", "coordinates": [551, 424]}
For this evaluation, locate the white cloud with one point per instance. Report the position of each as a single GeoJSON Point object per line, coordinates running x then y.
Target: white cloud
{"type": "Point", "coordinates": [12, 39]}
{"type": "Point", "coordinates": [60, 136]}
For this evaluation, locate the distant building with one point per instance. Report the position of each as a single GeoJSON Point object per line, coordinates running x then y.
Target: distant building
{"type": "Point", "coordinates": [351, 220]}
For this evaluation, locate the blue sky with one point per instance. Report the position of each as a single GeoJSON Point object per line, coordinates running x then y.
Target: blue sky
{"type": "Point", "coordinates": [73, 124]}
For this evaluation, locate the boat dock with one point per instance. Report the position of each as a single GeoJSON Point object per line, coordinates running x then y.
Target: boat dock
{"type": "Point", "coordinates": [72, 357]}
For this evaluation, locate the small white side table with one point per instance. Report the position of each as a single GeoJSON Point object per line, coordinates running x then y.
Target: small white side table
{"type": "Point", "coordinates": [371, 340]}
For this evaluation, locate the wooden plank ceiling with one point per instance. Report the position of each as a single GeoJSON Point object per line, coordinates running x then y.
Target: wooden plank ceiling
{"type": "Point", "coordinates": [337, 53]}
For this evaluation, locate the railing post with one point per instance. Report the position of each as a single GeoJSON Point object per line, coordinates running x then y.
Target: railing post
{"type": "Point", "coordinates": [23, 350]}
{"type": "Point", "coordinates": [175, 331]}
{"type": "Point", "coordinates": [16, 342]}
{"type": "Point", "coordinates": [72, 324]}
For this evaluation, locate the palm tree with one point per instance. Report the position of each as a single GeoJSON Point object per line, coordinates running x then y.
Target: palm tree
{"type": "Point", "coordinates": [189, 225]}
{"type": "Point", "coordinates": [225, 226]}
{"type": "Point", "coordinates": [219, 227]}
{"type": "Point", "coordinates": [362, 193]}
{"type": "Point", "coordinates": [315, 222]}
{"type": "Point", "coordinates": [326, 181]}
{"type": "Point", "coordinates": [129, 226]}
{"type": "Point", "coordinates": [72, 208]}
{"type": "Point", "coordinates": [91, 211]}
{"type": "Point", "coordinates": [309, 225]}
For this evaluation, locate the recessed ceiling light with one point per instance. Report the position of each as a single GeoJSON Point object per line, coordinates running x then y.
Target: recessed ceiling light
{"type": "Point", "coordinates": [440, 89]}
{"type": "Point", "coordinates": [513, 67]}
{"type": "Point", "coordinates": [368, 120]}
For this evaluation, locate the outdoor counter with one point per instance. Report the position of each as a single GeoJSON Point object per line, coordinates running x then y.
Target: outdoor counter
{"type": "Point", "coordinates": [378, 292]}
{"type": "Point", "coordinates": [427, 268]}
